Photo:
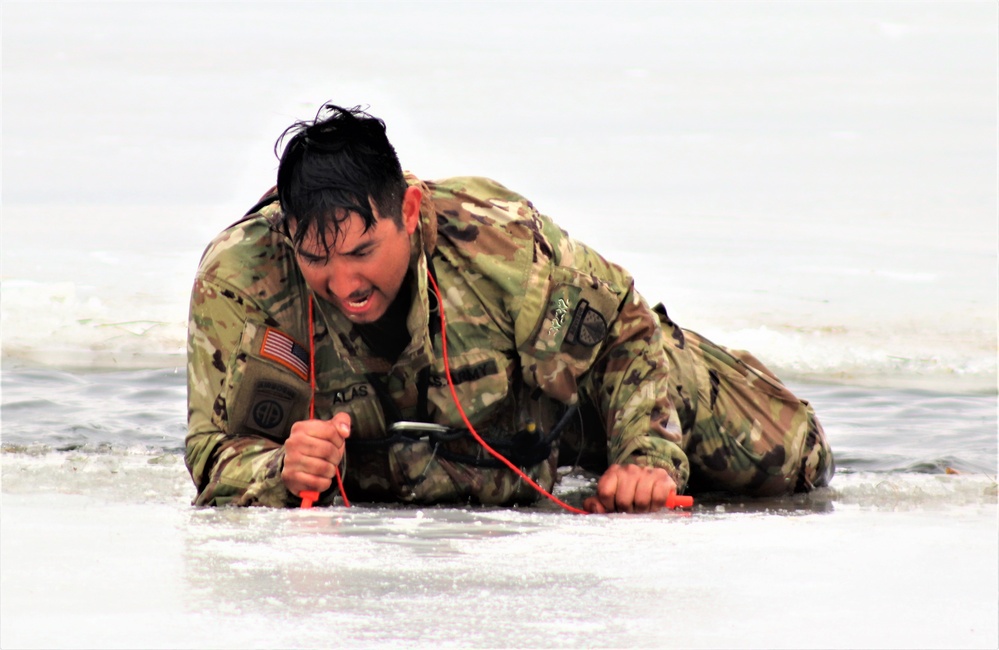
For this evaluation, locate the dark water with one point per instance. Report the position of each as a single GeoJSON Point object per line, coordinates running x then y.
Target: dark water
{"type": "Point", "coordinates": [46, 409]}
{"type": "Point", "coordinates": [886, 430]}
{"type": "Point", "coordinates": [871, 429]}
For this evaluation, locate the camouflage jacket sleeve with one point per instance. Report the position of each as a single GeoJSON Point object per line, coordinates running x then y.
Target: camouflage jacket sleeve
{"type": "Point", "coordinates": [582, 328]}
{"type": "Point", "coordinates": [228, 466]}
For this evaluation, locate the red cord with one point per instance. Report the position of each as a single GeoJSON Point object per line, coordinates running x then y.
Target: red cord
{"type": "Point", "coordinates": [454, 395]}
{"type": "Point", "coordinates": [307, 499]}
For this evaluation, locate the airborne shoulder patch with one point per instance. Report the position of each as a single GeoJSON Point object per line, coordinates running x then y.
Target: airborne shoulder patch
{"type": "Point", "coordinates": [281, 348]}
{"type": "Point", "coordinates": [272, 406]}
{"type": "Point", "coordinates": [588, 326]}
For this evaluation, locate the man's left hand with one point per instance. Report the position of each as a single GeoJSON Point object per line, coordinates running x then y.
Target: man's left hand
{"type": "Point", "coordinates": [631, 488]}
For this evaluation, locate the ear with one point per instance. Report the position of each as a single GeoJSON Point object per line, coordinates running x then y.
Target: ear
{"type": "Point", "coordinates": [411, 201]}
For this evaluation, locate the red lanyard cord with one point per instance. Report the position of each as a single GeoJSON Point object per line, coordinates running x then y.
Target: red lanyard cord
{"type": "Point", "coordinates": [454, 395]}
{"type": "Point", "coordinates": [310, 496]}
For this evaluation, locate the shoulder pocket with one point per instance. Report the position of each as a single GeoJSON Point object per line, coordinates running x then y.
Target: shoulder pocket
{"type": "Point", "coordinates": [267, 385]}
{"type": "Point", "coordinates": [576, 318]}
{"type": "Point", "coordinates": [571, 329]}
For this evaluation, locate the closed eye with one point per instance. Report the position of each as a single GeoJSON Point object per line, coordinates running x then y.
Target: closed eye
{"type": "Point", "coordinates": [361, 251]}
{"type": "Point", "coordinates": [314, 260]}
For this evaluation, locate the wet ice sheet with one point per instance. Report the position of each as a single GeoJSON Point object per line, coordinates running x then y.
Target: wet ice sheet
{"type": "Point", "coordinates": [881, 560]}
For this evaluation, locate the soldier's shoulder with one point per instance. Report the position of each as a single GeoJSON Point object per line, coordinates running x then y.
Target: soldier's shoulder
{"type": "Point", "coordinates": [473, 203]}
{"type": "Point", "coordinates": [248, 244]}
{"type": "Point", "coordinates": [473, 188]}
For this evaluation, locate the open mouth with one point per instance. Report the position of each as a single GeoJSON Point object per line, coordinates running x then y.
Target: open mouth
{"type": "Point", "coordinates": [358, 303]}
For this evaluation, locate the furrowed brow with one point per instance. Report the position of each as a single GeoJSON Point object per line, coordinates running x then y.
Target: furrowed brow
{"type": "Point", "coordinates": [311, 257]}
{"type": "Point", "coordinates": [360, 248]}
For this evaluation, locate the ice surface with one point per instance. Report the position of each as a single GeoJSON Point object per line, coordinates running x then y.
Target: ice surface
{"type": "Point", "coordinates": [879, 561]}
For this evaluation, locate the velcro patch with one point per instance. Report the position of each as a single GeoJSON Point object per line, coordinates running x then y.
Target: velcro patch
{"type": "Point", "coordinates": [466, 373]}
{"type": "Point", "coordinates": [278, 346]}
{"type": "Point", "coordinates": [271, 408]}
{"type": "Point", "coordinates": [352, 392]}
{"type": "Point", "coordinates": [588, 326]}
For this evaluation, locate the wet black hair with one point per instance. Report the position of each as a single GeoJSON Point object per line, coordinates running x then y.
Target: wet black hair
{"type": "Point", "coordinates": [331, 167]}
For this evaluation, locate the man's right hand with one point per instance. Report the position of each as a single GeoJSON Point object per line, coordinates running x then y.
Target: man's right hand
{"type": "Point", "coordinates": [312, 452]}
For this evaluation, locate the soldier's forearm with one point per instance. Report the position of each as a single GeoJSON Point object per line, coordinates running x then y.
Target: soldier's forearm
{"type": "Point", "coordinates": [632, 384]}
{"type": "Point", "coordinates": [237, 470]}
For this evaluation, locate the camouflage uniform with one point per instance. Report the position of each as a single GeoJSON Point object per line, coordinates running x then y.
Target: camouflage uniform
{"type": "Point", "coordinates": [536, 321]}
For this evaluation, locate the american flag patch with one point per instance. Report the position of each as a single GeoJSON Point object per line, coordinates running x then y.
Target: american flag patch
{"type": "Point", "coordinates": [280, 347]}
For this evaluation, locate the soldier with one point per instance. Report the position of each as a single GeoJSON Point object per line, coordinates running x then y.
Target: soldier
{"type": "Point", "coordinates": [316, 347]}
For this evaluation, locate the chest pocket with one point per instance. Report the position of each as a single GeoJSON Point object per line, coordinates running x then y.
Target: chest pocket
{"type": "Point", "coordinates": [481, 380]}
{"type": "Point", "coordinates": [267, 386]}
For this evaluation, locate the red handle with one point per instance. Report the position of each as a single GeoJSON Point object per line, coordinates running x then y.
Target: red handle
{"type": "Point", "coordinates": [675, 500]}
{"type": "Point", "coordinates": [308, 497]}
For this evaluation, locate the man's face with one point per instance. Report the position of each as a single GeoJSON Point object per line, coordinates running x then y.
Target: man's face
{"type": "Point", "coordinates": [364, 270]}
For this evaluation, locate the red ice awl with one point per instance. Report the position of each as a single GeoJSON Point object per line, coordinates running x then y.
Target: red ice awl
{"type": "Point", "coordinates": [674, 500]}
{"type": "Point", "coordinates": [311, 496]}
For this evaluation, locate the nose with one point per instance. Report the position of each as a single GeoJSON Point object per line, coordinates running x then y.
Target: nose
{"type": "Point", "coordinates": [343, 280]}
